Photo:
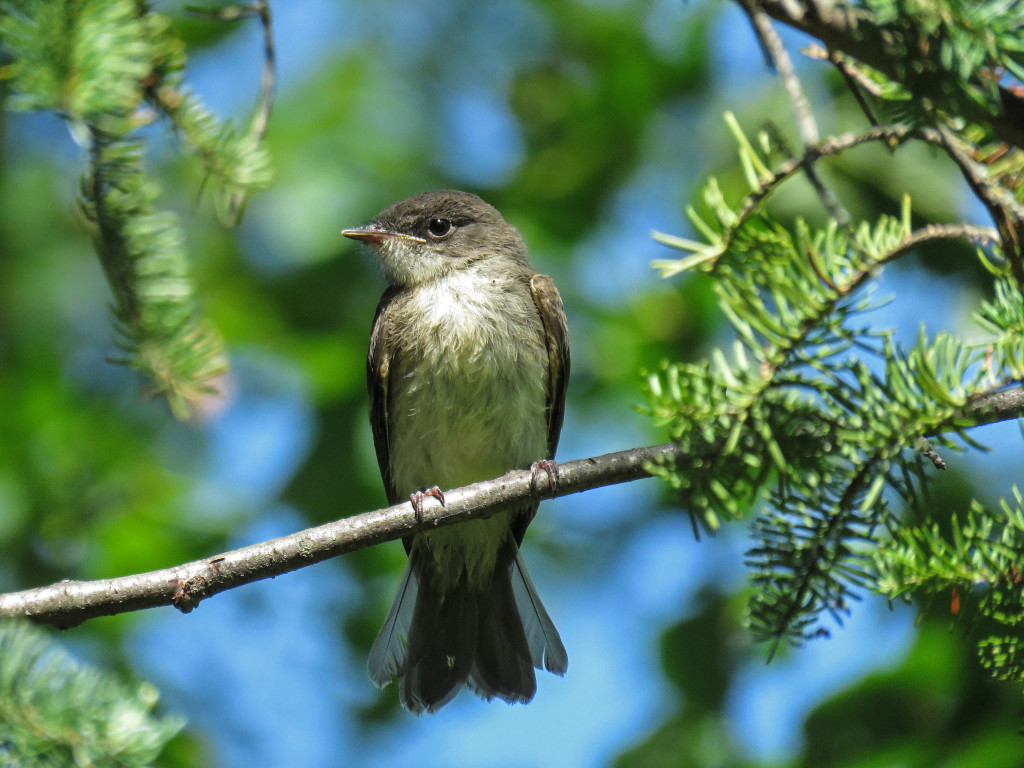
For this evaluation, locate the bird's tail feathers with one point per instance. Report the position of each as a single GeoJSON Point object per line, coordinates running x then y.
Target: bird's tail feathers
{"type": "Point", "coordinates": [502, 664]}
{"type": "Point", "coordinates": [490, 638]}
{"type": "Point", "coordinates": [440, 648]}
{"type": "Point", "coordinates": [388, 654]}
{"type": "Point", "coordinates": [543, 640]}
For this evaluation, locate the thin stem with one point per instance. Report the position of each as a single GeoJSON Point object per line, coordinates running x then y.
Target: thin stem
{"type": "Point", "coordinates": [261, 116]}
{"type": "Point", "coordinates": [69, 603]}
{"type": "Point", "coordinates": [783, 64]}
{"type": "Point", "coordinates": [847, 28]}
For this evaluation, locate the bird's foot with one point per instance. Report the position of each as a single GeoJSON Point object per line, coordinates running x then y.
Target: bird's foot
{"type": "Point", "coordinates": [419, 497]}
{"type": "Point", "coordinates": [550, 468]}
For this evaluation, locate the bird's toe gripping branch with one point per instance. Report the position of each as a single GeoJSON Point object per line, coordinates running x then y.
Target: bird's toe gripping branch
{"type": "Point", "coordinates": [417, 499]}
{"type": "Point", "coordinates": [550, 468]}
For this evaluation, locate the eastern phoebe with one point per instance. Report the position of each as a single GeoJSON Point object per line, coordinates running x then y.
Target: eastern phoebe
{"type": "Point", "coordinates": [467, 371]}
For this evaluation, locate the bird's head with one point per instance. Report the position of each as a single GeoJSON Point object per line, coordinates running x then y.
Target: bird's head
{"type": "Point", "coordinates": [430, 235]}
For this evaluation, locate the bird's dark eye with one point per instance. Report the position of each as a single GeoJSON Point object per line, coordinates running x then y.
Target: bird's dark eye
{"type": "Point", "coordinates": [439, 227]}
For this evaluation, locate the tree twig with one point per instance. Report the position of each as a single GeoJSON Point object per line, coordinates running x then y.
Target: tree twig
{"type": "Point", "coordinates": [855, 81]}
{"type": "Point", "coordinates": [846, 28]}
{"type": "Point", "coordinates": [69, 603]}
{"type": "Point", "coordinates": [264, 105]}
{"type": "Point", "coordinates": [783, 64]}
{"type": "Point", "coordinates": [1005, 211]}
{"type": "Point", "coordinates": [997, 405]}
{"type": "Point", "coordinates": [831, 145]}
{"type": "Point", "coordinates": [779, 58]}
{"type": "Point", "coordinates": [931, 232]}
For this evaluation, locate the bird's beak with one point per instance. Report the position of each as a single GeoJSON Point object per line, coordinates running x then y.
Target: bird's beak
{"type": "Point", "coordinates": [374, 233]}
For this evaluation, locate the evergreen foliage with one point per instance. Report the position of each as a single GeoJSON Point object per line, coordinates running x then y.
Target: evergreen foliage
{"type": "Point", "coordinates": [977, 561]}
{"type": "Point", "coordinates": [820, 422]}
{"type": "Point", "coordinates": [109, 68]}
{"type": "Point", "coordinates": [948, 56]}
{"type": "Point", "coordinates": [57, 712]}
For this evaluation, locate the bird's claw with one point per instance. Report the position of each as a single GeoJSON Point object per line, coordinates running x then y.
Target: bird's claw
{"type": "Point", "coordinates": [418, 497]}
{"type": "Point", "coordinates": [550, 468]}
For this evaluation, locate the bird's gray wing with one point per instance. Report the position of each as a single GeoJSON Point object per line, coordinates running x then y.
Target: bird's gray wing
{"type": "Point", "coordinates": [556, 340]}
{"type": "Point", "coordinates": [556, 337]}
{"type": "Point", "coordinates": [379, 364]}
{"type": "Point", "coordinates": [545, 647]}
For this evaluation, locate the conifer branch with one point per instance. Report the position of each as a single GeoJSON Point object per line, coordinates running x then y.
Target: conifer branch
{"type": "Point", "coordinates": [109, 67]}
{"type": "Point", "coordinates": [260, 120]}
{"type": "Point", "coordinates": [796, 409]}
{"type": "Point", "coordinates": [889, 49]}
{"type": "Point", "coordinates": [56, 711]}
{"type": "Point", "coordinates": [783, 613]}
{"type": "Point", "coordinates": [769, 180]}
{"type": "Point", "coordinates": [1006, 211]}
{"type": "Point", "coordinates": [779, 58]}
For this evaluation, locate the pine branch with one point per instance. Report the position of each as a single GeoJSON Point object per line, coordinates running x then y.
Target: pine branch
{"type": "Point", "coordinates": [142, 252]}
{"type": "Point", "coordinates": [69, 603]}
{"type": "Point", "coordinates": [946, 65]}
{"type": "Point", "coordinates": [978, 561]}
{"type": "Point", "coordinates": [808, 125]}
{"type": "Point", "coordinates": [785, 608]}
{"type": "Point", "coordinates": [55, 711]}
{"type": "Point", "coordinates": [797, 408]}
{"type": "Point", "coordinates": [108, 67]}
{"type": "Point", "coordinates": [854, 31]}
{"type": "Point", "coordinates": [765, 181]}
{"type": "Point", "coordinates": [238, 160]}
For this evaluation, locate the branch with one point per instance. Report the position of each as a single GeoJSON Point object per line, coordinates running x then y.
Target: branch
{"type": "Point", "coordinates": [779, 59]}
{"type": "Point", "coordinates": [260, 120]}
{"type": "Point", "coordinates": [814, 563]}
{"type": "Point", "coordinates": [1006, 212]}
{"type": "Point", "coordinates": [892, 135]}
{"type": "Point", "coordinates": [997, 405]}
{"type": "Point", "coordinates": [846, 28]}
{"type": "Point", "coordinates": [69, 603]}
{"type": "Point", "coordinates": [970, 232]}
{"type": "Point", "coordinates": [832, 145]}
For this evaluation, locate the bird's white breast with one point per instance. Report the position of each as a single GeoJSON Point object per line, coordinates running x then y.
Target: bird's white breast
{"type": "Point", "coordinates": [467, 399]}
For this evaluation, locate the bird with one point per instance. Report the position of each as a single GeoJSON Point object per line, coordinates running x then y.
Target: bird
{"type": "Point", "coordinates": [467, 371]}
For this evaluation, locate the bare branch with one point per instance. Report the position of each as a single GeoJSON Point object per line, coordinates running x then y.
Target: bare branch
{"type": "Point", "coordinates": [783, 64]}
{"type": "Point", "coordinates": [779, 59]}
{"type": "Point", "coordinates": [69, 603]}
{"type": "Point", "coordinates": [931, 232]}
{"type": "Point", "coordinates": [853, 78]}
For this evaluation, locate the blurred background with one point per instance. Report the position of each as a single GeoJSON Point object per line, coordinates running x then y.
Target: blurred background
{"type": "Point", "coordinates": [588, 124]}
